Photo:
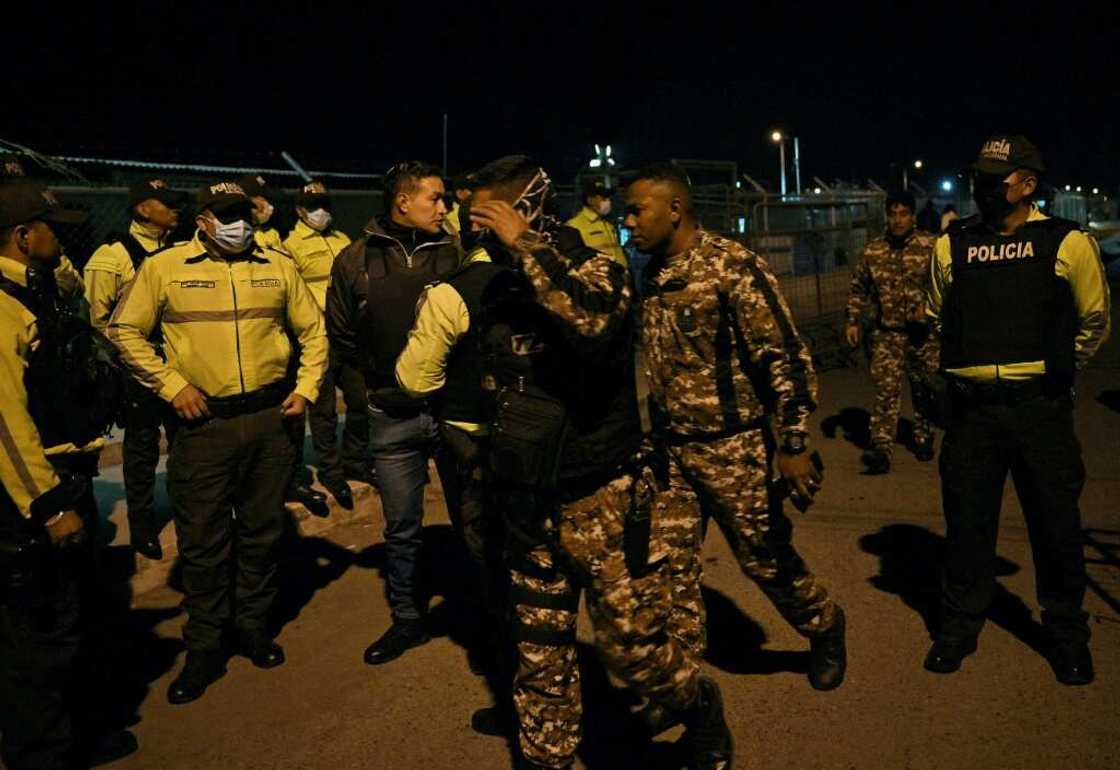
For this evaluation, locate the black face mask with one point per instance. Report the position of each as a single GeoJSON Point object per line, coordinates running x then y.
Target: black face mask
{"type": "Point", "coordinates": [990, 193]}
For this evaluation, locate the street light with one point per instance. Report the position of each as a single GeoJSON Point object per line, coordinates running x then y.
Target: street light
{"type": "Point", "coordinates": [947, 185]}
{"type": "Point", "coordinates": [905, 174]}
{"type": "Point", "coordinates": [777, 138]}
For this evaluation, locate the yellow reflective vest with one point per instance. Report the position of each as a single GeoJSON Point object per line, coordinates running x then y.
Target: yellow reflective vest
{"type": "Point", "coordinates": [599, 234]}
{"type": "Point", "coordinates": [314, 254]}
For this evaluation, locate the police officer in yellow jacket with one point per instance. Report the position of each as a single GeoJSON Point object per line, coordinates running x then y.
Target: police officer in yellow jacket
{"type": "Point", "coordinates": [264, 197]}
{"type": "Point", "coordinates": [593, 220]}
{"type": "Point", "coordinates": [314, 243]}
{"type": "Point", "coordinates": [223, 305]}
{"type": "Point", "coordinates": [155, 214]}
{"type": "Point", "coordinates": [1022, 305]}
{"type": "Point", "coordinates": [48, 452]}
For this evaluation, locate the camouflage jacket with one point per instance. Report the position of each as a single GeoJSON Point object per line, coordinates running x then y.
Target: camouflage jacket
{"type": "Point", "coordinates": [721, 347]}
{"type": "Point", "coordinates": [891, 283]}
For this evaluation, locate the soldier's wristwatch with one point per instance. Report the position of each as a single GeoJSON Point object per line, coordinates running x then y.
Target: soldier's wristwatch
{"type": "Point", "coordinates": [794, 443]}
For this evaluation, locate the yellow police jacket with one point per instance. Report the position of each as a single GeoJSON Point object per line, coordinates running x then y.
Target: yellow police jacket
{"type": "Point", "coordinates": [599, 234]}
{"type": "Point", "coordinates": [109, 269]}
{"type": "Point", "coordinates": [314, 254]}
{"type": "Point", "coordinates": [268, 238]}
{"type": "Point", "coordinates": [451, 221]}
{"type": "Point", "coordinates": [25, 470]}
{"type": "Point", "coordinates": [223, 322]}
{"type": "Point", "coordinates": [1079, 263]}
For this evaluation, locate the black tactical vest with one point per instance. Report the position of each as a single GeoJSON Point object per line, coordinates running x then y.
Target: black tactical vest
{"type": "Point", "coordinates": [1005, 304]}
{"type": "Point", "coordinates": [512, 337]}
{"type": "Point", "coordinates": [136, 251]}
{"type": "Point", "coordinates": [75, 388]}
{"type": "Point", "coordinates": [390, 310]}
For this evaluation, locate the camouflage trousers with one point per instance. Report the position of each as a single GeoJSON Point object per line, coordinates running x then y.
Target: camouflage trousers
{"type": "Point", "coordinates": [727, 480]}
{"type": "Point", "coordinates": [629, 615]}
{"type": "Point", "coordinates": [894, 357]}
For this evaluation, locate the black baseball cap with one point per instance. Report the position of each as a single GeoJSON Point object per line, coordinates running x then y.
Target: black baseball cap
{"type": "Point", "coordinates": [314, 193]}
{"type": "Point", "coordinates": [155, 189]}
{"type": "Point", "coordinates": [25, 202]}
{"type": "Point", "coordinates": [221, 196]}
{"type": "Point", "coordinates": [256, 184]}
{"type": "Point", "coordinates": [1003, 154]}
{"type": "Point", "coordinates": [596, 185]}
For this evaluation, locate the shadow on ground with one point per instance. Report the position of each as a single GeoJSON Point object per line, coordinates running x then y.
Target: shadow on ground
{"type": "Point", "coordinates": [909, 567]}
{"type": "Point", "coordinates": [1110, 399]}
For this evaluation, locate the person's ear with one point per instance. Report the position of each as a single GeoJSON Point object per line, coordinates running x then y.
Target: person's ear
{"type": "Point", "coordinates": [1030, 184]}
{"type": "Point", "coordinates": [676, 211]}
{"type": "Point", "coordinates": [403, 200]}
{"type": "Point", "coordinates": [143, 209]}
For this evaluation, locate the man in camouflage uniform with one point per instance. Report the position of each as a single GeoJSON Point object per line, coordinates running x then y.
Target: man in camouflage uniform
{"type": "Point", "coordinates": [581, 355]}
{"type": "Point", "coordinates": [888, 285]}
{"type": "Point", "coordinates": [722, 356]}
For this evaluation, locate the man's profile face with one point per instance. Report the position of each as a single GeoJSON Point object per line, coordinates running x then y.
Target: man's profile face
{"type": "Point", "coordinates": [159, 214]}
{"type": "Point", "coordinates": [425, 208]}
{"type": "Point", "coordinates": [900, 219]}
{"type": "Point", "coordinates": [43, 248]}
{"type": "Point", "coordinates": [651, 214]}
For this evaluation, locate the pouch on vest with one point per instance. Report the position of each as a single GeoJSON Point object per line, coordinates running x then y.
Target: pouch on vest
{"type": "Point", "coordinates": [527, 438]}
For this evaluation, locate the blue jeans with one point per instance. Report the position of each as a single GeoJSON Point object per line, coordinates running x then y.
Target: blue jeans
{"type": "Point", "coordinates": [401, 448]}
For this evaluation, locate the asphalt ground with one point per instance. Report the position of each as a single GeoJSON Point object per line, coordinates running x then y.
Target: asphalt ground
{"type": "Point", "coordinates": [874, 541]}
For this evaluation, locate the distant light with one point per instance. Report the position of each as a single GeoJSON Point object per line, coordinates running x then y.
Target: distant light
{"type": "Point", "coordinates": [776, 136]}
{"type": "Point", "coordinates": [742, 224]}
{"type": "Point", "coordinates": [1079, 188]}
{"type": "Point", "coordinates": [817, 190]}
{"type": "Point", "coordinates": [1042, 204]}
{"type": "Point", "coordinates": [596, 162]}
{"type": "Point", "coordinates": [1096, 191]}
{"type": "Point", "coordinates": [738, 185]}
{"type": "Point", "coordinates": [947, 186]}
{"type": "Point", "coordinates": [918, 164]}
{"type": "Point", "coordinates": [1067, 188]}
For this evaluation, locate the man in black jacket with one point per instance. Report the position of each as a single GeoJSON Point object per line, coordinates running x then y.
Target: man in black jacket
{"type": "Point", "coordinates": [371, 304]}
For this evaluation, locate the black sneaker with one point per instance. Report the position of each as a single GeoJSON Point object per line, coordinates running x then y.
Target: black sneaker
{"type": "Point", "coordinates": [340, 490]}
{"type": "Point", "coordinates": [877, 461]}
{"type": "Point", "coordinates": [708, 735]}
{"type": "Point", "coordinates": [945, 656]}
{"type": "Point", "coordinates": [260, 648]}
{"type": "Point", "coordinates": [200, 671]}
{"type": "Point", "coordinates": [402, 636]}
{"type": "Point", "coordinates": [1072, 664]}
{"type": "Point", "coordinates": [828, 655]}
{"type": "Point", "coordinates": [311, 499]}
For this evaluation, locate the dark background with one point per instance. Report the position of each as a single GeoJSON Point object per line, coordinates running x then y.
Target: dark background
{"type": "Point", "coordinates": [357, 87]}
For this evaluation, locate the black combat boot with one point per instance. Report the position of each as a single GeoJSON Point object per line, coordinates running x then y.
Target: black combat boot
{"type": "Point", "coordinates": [202, 669]}
{"type": "Point", "coordinates": [708, 735]}
{"type": "Point", "coordinates": [877, 461]}
{"type": "Point", "coordinates": [945, 656]}
{"type": "Point", "coordinates": [923, 450]}
{"type": "Point", "coordinates": [1072, 664]}
{"type": "Point", "coordinates": [828, 655]}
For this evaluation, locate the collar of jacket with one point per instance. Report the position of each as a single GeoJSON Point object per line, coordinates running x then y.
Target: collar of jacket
{"type": "Point", "coordinates": [199, 252]}
{"type": "Point", "coordinates": [14, 271]}
{"type": "Point", "coordinates": [374, 230]}
{"type": "Point", "coordinates": [590, 214]}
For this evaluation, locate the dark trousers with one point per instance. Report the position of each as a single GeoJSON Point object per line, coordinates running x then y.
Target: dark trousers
{"type": "Point", "coordinates": [323, 417]}
{"type": "Point", "coordinates": [42, 601]}
{"type": "Point", "coordinates": [1035, 442]}
{"type": "Point", "coordinates": [140, 455]}
{"type": "Point", "coordinates": [227, 478]}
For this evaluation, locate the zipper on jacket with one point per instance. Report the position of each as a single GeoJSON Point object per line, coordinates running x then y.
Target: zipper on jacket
{"type": "Point", "coordinates": [236, 330]}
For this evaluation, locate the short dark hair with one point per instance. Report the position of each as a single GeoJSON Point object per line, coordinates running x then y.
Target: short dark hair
{"type": "Point", "coordinates": [405, 177]}
{"type": "Point", "coordinates": [668, 173]}
{"type": "Point", "coordinates": [7, 233]}
{"type": "Point", "coordinates": [508, 174]}
{"type": "Point", "coordinates": [902, 198]}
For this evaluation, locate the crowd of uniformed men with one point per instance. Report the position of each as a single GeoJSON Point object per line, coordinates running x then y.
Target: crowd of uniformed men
{"type": "Point", "coordinates": [501, 343]}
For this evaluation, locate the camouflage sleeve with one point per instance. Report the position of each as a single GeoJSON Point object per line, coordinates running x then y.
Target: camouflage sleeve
{"type": "Point", "coordinates": [859, 291]}
{"type": "Point", "coordinates": [774, 345]}
{"type": "Point", "coordinates": [591, 299]}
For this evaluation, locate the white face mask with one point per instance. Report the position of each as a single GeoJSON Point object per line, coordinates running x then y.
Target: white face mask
{"type": "Point", "coordinates": [234, 237]}
{"type": "Point", "coordinates": [604, 208]}
{"type": "Point", "coordinates": [263, 214]}
{"type": "Point", "coordinates": [319, 219]}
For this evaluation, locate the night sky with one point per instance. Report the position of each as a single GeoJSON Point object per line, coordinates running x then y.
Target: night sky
{"type": "Point", "coordinates": [357, 88]}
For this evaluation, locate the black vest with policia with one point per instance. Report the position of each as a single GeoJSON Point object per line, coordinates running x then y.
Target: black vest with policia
{"type": "Point", "coordinates": [1005, 304]}
{"type": "Point", "coordinates": [390, 310]}
{"type": "Point", "coordinates": [74, 384]}
{"type": "Point", "coordinates": [512, 339]}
